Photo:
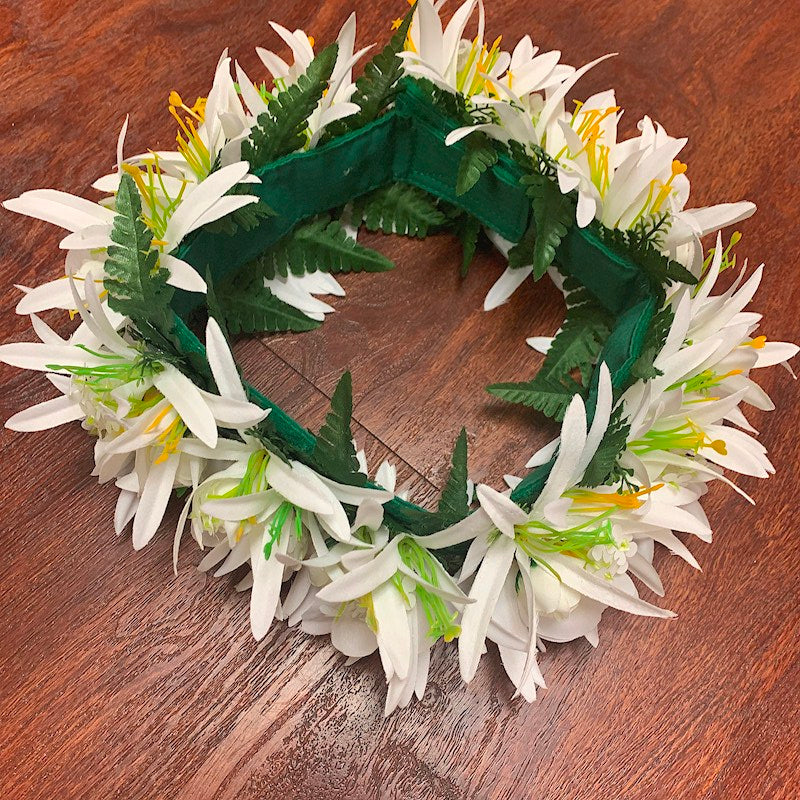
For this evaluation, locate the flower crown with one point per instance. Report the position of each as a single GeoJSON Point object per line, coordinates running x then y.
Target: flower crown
{"type": "Point", "coordinates": [251, 217]}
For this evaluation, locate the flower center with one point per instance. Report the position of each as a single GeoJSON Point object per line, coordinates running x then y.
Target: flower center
{"type": "Point", "coordinates": [683, 437]}
{"type": "Point", "coordinates": [441, 623]}
{"type": "Point", "coordinates": [537, 538]}
{"type": "Point", "coordinates": [190, 144]}
{"type": "Point", "coordinates": [588, 502]}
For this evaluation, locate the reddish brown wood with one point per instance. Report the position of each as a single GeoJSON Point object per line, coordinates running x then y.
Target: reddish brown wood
{"type": "Point", "coordinates": [118, 680]}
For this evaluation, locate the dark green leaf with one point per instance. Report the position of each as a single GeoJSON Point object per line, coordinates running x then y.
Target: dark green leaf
{"type": "Point", "coordinates": [644, 369]}
{"type": "Point", "coordinates": [320, 245]}
{"type": "Point", "coordinates": [454, 503]}
{"type": "Point", "coordinates": [553, 215]}
{"type": "Point", "coordinates": [545, 394]}
{"type": "Point", "coordinates": [479, 155]}
{"type": "Point", "coordinates": [254, 309]}
{"type": "Point", "coordinates": [658, 269]}
{"type": "Point", "coordinates": [603, 469]}
{"type": "Point", "coordinates": [468, 229]}
{"type": "Point", "coordinates": [377, 86]}
{"type": "Point", "coordinates": [335, 454]}
{"type": "Point", "coordinates": [283, 128]}
{"type": "Point", "coordinates": [400, 208]}
{"type": "Point", "coordinates": [136, 286]}
{"type": "Point", "coordinates": [579, 342]}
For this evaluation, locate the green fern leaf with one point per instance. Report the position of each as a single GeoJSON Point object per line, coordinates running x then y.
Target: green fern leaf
{"type": "Point", "coordinates": [377, 86]}
{"type": "Point", "coordinates": [335, 454]}
{"type": "Point", "coordinates": [255, 309]}
{"type": "Point", "coordinates": [644, 368]}
{"type": "Point", "coordinates": [454, 503]}
{"type": "Point", "coordinates": [553, 215]}
{"type": "Point", "coordinates": [468, 229]}
{"type": "Point", "coordinates": [479, 156]}
{"type": "Point", "coordinates": [579, 342]}
{"type": "Point", "coordinates": [283, 128]}
{"type": "Point", "coordinates": [603, 468]}
{"type": "Point", "coordinates": [320, 245]}
{"type": "Point", "coordinates": [545, 394]}
{"type": "Point", "coordinates": [136, 286]}
{"type": "Point", "coordinates": [400, 208]}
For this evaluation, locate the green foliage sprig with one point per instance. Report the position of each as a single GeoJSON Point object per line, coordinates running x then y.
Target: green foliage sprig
{"type": "Point", "coordinates": [454, 502]}
{"type": "Point", "coordinates": [283, 128]}
{"type": "Point", "coordinates": [604, 467]}
{"type": "Point", "coordinates": [335, 453]}
{"type": "Point", "coordinates": [553, 214]}
{"type": "Point", "coordinates": [254, 309]}
{"type": "Point", "coordinates": [575, 348]}
{"type": "Point", "coordinates": [400, 208]}
{"type": "Point", "coordinates": [480, 154]}
{"type": "Point", "coordinates": [377, 87]}
{"type": "Point", "coordinates": [320, 245]}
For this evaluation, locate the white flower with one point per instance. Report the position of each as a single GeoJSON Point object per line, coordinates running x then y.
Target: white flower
{"type": "Point", "coordinates": [336, 102]}
{"type": "Point", "coordinates": [389, 595]}
{"type": "Point", "coordinates": [171, 208]}
{"type": "Point", "coordinates": [530, 546]}
{"type": "Point", "coordinates": [688, 419]}
{"type": "Point", "coordinates": [273, 514]}
{"type": "Point", "coordinates": [142, 409]}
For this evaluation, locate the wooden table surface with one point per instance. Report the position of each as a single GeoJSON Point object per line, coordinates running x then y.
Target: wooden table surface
{"type": "Point", "coordinates": [119, 680]}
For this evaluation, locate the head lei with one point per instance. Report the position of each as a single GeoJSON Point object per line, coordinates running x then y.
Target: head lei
{"type": "Point", "coordinates": [254, 214]}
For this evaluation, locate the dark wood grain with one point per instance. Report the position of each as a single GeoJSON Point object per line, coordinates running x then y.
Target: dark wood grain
{"type": "Point", "coordinates": [118, 680]}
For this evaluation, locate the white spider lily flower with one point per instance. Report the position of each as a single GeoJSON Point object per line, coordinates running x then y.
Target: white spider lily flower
{"type": "Point", "coordinates": [434, 52]}
{"type": "Point", "coordinates": [624, 184]}
{"type": "Point", "coordinates": [210, 133]}
{"type": "Point", "coordinates": [393, 596]}
{"type": "Point", "coordinates": [689, 417]}
{"type": "Point", "coordinates": [140, 408]}
{"type": "Point", "coordinates": [170, 211]}
{"type": "Point", "coordinates": [336, 102]}
{"type": "Point", "coordinates": [507, 539]}
{"type": "Point", "coordinates": [271, 513]}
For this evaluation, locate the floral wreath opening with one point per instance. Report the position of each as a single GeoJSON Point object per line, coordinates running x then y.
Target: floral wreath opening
{"type": "Point", "coordinates": [249, 220]}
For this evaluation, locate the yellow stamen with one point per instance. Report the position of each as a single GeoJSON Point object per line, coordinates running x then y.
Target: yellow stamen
{"type": "Point", "coordinates": [678, 168]}
{"type": "Point", "coordinates": [757, 343]}
{"type": "Point", "coordinates": [159, 419]}
{"type": "Point", "coordinates": [588, 501]}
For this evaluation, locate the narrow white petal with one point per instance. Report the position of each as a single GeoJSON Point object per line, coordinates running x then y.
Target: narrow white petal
{"type": "Point", "coordinates": [576, 577]}
{"type": "Point", "coordinates": [365, 579]}
{"type": "Point", "coordinates": [156, 492]}
{"type": "Point", "coordinates": [223, 367]}
{"type": "Point", "coordinates": [187, 401]}
{"type": "Point", "coordinates": [503, 511]}
{"type": "Point", "coordinates": [182, 275]}
{"type": "Point", "coordinates": [49, 414]}
{"type": "Point", "coordinates": [485, 590]}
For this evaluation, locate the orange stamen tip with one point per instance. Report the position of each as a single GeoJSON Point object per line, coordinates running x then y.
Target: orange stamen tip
{"type": "Point", "coordinates": [396, 23]}
{"type": "Point", "coordinates": [311, 40]}
{"type": "Point", "coordinates": [758, 342]}
{"type": "Point", "coordinates": [175, 99]}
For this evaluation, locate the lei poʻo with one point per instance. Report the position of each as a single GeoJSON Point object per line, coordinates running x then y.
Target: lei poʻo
{"type": "Point", "coordinates": [242, 227]}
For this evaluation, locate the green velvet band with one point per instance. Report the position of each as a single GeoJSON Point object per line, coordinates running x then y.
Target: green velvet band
{"type": "Point", "coordinates": [408, 145]}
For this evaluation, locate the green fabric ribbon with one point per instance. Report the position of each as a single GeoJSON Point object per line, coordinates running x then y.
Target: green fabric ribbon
{"type": "Point", "coordinates": [407, 145]}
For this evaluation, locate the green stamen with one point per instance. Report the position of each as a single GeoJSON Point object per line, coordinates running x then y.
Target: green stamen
{"type": "Point", "coordinates": [441, 623]}
{"type": "Point", "coordinates": [276, 526]}
{"type": "Point", "coordinates": [537, 538]}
